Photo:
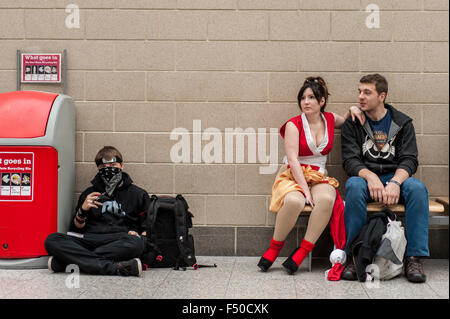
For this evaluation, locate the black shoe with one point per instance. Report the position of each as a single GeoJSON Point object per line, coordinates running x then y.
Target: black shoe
{"type": "Point", "coordinates": [414, 270]}
{"type": "Point", "coordinates": [55, 265]}
{"type": "Point", "coordinates": [264, 264]}
{"type": "Point", "coordinates": [131, 267]}
{"type": "Point", "coordinates": [349, 272]}
{"type": "Point", "coordinates": [289, 264]}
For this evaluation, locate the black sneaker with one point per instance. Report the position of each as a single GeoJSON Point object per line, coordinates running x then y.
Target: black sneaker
{"type": "Point", "coordinates": [55, 265]}
{"type": "Point", "coordinates": [131, 267]}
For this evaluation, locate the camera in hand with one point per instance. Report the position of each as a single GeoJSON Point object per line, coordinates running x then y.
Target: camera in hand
{"type": "Point", "coordinates": [102, 198]}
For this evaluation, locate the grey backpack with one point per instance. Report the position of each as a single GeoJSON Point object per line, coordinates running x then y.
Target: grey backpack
{"type": "Point", "coordinates": [389, 256]}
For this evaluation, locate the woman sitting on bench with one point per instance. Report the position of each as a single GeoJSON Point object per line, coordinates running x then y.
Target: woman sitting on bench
{"type": "Point", "coordinates": [308, 139]}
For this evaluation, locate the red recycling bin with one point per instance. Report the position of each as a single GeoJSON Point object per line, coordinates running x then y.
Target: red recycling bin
{"type": "Point", "coordinates": [35, 195]}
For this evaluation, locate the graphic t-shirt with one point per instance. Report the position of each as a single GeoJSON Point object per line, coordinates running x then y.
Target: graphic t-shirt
{"type": "Point", "coordinates": [381, 130]}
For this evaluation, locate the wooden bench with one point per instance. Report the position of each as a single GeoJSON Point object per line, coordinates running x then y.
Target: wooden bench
{"type": "Point", "coordinates": [444, 202]}
{"type": "Point", "coordinates": [436, 207]}
{"type": "Point", "coordinates": [440, 207]}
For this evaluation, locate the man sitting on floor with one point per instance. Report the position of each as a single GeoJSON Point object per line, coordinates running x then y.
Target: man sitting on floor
{"type": "Point", "coordinates": [104, 233]}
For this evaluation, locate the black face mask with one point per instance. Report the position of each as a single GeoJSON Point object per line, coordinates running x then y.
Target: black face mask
{"type": "Point", "coordinates": [111, 176]}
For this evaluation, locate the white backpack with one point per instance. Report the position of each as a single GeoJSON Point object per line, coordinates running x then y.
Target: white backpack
{"type": "Point", "coordinates": [389, 256]}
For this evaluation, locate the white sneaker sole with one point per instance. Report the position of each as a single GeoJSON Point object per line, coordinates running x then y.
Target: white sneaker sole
{"type": "Point", "coordinates": [49, 263]}
{"type": "Point", "coordinates": [139, 267]}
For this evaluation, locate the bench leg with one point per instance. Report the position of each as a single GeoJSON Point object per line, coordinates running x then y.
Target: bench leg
{"type": "Point", "coordinates": [309, 260]}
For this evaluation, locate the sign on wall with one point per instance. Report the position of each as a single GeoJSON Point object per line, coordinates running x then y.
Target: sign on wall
{"type": "Point", "coordinates": [41, 67]}
{"type": "Point", "coordinates": [17, 176]}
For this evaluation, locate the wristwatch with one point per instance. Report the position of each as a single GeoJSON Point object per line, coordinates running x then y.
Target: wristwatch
{"type": "Point", "coordinates": [393, 181]}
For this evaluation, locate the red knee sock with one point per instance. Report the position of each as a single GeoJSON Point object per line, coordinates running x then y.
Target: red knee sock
{"type": "Point", "coordinates": [300, 254]}
{"type": "Point", "coordinates": [272, 253]}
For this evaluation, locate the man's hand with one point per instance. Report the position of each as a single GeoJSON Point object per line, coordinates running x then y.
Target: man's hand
{"type": "Point", "coordinates": [376, 188]}
{"type": "Point", "coordinates": [90, 201]}
{"type": "Point", "coordinates": [392, 194]}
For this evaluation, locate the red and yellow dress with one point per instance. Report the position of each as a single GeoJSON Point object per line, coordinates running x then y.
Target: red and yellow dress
{"type": "Point", "coordinates": [312, 159]}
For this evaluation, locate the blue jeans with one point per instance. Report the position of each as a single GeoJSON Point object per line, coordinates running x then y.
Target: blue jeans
{"type": "Point", "coordinates": [413, 194]}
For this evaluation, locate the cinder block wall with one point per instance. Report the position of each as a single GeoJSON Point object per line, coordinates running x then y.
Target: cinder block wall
{"type": "Point", "coordinates": [139, 69]}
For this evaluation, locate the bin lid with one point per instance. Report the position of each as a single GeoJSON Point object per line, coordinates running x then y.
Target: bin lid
{"type": "Point", "coordinates": [24, 114]}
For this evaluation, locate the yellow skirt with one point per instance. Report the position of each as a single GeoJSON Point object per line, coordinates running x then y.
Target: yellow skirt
{"type": "Point", "coordinates": [285, 183]}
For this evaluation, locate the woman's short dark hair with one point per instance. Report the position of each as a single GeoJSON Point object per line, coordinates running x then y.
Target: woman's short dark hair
{"type": "Point", "coordinates": [319, 88]}
{"type": "Point", "coordinates": [108, 153]}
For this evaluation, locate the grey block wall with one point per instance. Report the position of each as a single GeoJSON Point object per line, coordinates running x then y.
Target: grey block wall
{"type": "Point", "coordinates": [139, 69]}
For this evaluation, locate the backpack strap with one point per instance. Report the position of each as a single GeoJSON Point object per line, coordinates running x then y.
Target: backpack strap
{"type": "Point", "coordinates": [181, 230]}
{"type": "Point", "coordinates": [208, 266]}
{"type": "Point", "coordinates": [152, 213]}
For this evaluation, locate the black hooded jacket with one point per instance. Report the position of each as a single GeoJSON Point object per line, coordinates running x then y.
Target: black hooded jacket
{"type": "Point", "coordinates": [132, 201]}
{"type": "Point", "coordinates": [400, 151]}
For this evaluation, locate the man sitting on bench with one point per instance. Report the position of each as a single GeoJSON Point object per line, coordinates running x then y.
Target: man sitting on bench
{"type": "Point", "coordinates": [380, 157]}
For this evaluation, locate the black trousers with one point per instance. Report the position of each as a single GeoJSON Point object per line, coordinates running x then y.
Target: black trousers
{"type": "Point", "coordinates": [94, 253]}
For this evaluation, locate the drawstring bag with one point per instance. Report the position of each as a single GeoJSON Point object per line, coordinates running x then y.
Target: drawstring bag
{"type": "Point", "coordinates": [389, 256]}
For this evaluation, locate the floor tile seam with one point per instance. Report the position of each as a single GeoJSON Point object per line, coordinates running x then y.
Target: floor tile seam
{"type": "Point", "coordinates": [366, 289]}
{"type": "Point", "coordinates": [433, 290]}
{"type": "Point", "coordinates": [81, 294]}
{"type": "Point", "coordinates": [87, 290]}
{"type": "Point", "coordinates": [363, 286]}
{"type": "Point", "coordinates": [229, 278]}
{"type": "Point", "coordinates": [257, 279]}
{"type": "Point", "coordinates": [55, 294]}
{"type": "Point", "coordinates": [295, 287]}
{"type": "Point", "coordinates": [152, 296]}
{"type": "Point", "coordinates": [310, 280]}
{"type": "Point", "coordinates": [436, 295]}
{"type": "Point", "coordinates": [92, 283]}
{"type": "Point", "coordinates": [81, 290]}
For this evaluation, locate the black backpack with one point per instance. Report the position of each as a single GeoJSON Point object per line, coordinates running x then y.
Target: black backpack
{"type": "Point", "coordinates": [365, 245]}
{"type": "Point", "coordinates": [168, 241]}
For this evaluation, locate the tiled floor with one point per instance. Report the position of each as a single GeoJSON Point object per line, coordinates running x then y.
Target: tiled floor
{"type": "Point", "coordinates": [234, 278]}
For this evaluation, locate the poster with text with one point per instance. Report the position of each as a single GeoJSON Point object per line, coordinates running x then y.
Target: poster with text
{"type": "Point", "coordinates": [17, 176]}
{"type": "Point", "coordinates": [41, 68]}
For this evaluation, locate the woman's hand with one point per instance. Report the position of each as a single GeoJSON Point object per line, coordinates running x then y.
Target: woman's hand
{"type": "Point", "coordinates": [355, 112]}
{"type": "Point", "coordinates": [309, 197]}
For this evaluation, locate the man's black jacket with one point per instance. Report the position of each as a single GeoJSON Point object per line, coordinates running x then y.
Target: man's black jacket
{"type": "Point", "coordinates": [360, 151]}
{"type": "Point", "coordinates": [132, 200]}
